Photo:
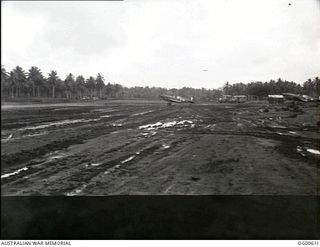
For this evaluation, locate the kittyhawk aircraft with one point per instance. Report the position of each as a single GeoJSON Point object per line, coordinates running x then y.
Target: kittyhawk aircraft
{"type": "Point", "coordinates": [176, 99]}
{"type": "Point", "coordinates": [297, 97]}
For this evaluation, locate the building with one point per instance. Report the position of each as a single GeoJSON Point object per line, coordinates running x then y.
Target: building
{"type": "Point", "coordinates": [275, 99]}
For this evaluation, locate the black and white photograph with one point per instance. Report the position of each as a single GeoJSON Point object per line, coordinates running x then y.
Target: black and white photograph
{"type": "Point", "coordinates": [160, 98]}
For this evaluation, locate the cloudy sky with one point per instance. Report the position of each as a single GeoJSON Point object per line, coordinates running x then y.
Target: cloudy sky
{"type": "Point", "coordinates": [168, 43]}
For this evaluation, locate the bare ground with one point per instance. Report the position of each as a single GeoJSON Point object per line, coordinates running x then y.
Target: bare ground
{"type": "Point", "coordinates": [128, 148]}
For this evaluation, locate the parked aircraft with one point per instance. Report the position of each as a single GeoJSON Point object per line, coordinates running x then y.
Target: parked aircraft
{"type": "Point", "coordinates": [297, 97]}
{"type": "Point", "coordinates": [176, 99]}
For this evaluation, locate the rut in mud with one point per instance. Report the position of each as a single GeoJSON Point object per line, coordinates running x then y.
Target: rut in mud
{"type": "Point", "coordinates": [157, 149]}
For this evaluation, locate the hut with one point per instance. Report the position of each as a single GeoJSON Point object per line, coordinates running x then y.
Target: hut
{"type": "Point", "coordinates": [275, 99]}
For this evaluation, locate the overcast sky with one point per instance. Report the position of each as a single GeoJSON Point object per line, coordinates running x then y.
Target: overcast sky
{"type": "Point", "coordinates": [167, 43]}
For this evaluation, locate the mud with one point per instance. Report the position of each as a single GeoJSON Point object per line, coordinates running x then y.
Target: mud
{"type": "Point", "coordinates": [128, 148]}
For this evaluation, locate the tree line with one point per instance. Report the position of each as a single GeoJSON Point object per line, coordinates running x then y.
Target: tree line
{"type": "Point", "coordinates": [19, 83]}
{"type": "Point", "coordinates": [33, 84]}
{"type": "Point", "coordinates": [260, 89]}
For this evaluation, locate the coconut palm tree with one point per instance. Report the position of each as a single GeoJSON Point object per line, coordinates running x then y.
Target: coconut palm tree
{"type": "Point", "coordinates": [36, 80]}
{"type": "Point", "coordinates": [100, 84]}
{"type": "Point", "coordinates": [69, 82]}
{"type": "Point", "coordinates": [19, 79]}
{"type": "Point", "coordinates": [91, 85]}
{"type": "Point", "coordinates": [4, 81]}
{"type": "Point", "coordinates": [81, 85]}
{"type": "Point", "coordinates": [53, 81]}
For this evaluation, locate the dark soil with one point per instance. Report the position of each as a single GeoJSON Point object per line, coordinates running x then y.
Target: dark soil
{"type": "Point", "coordinates": [131, 148]}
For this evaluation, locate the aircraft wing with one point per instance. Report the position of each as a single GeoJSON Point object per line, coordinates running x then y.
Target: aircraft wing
{"type": "Point", "coordinates": [169, 98]}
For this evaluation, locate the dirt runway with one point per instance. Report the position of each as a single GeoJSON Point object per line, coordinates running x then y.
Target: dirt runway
{"type": "Point", "coordinates": [129, 148]}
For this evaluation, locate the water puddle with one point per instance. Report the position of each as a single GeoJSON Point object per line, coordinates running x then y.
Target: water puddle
{"type": "Point", "coordinates": [151, 126]}
{"type": "Point", "coordinates": [160, 125]}
{"type": "Point", "coordinates": [300, 150]}
{"type": "Point", "coordinates": [7, 139]}
{"type": "Point", "coordinates": [278, 126]}
{"type": "Point", "coordinates": [303, 151]}
{"type": "Point", "coordinates": [289, 133]}
{"type": "Point", "coordinates": [117, 125]}
{"type": "Point", "coordinates": [112, 169]}
{"type": "Point", "coordinates": [313, 151]}
{"type": "Point", "coordinates": [165, 146]}
{"type": "Point", "coordinates": [210, 126]}
{"type": "Point", "coordinates": [169, 124]}
{"type": "Point", "coordinates": [14, 173]}
{"type": "Point", "coordinates": [128, 159]}
{"type": "Point", "coordinates": [95, 164]}
{"type": "Point", "coordinates": [293, 132]}
{"type": "Point", "coordinates": [141, 113]}
{"type": "Point", "coordinates": [77, 191]}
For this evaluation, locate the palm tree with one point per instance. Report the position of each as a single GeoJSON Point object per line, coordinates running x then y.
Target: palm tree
{"type": "Point", "coordinates": [308, 86]}
{"type": "Point", "coordinates": [108, 90]}
{"type": "Point", "coordinates": [317, 86]}
{"type": "Point", "coordinates": [36, 80]}
{"type": "Point", "coordinates": [81, 85]}
{"type": "Point", "coordinates": [12, 84]}
{"type": "Point", "coordinates": [4, 80]}
{"type": "Point", "coordinates": [69, 81]}
{"type": "Point", "coordinates": [52, 81]}
{"type": "Point", "coordinates": [100, 84]}
{"type": "Point", "coordinates": [75, 89]}
{"type": "Point", "coordinates": [60, 88]}
{"type": "Point", "coordinates": [226, 88]}
{"type": "Point", "coordinates": [19, 78]}
{"type": "Point", "coordinates": [91, 85]}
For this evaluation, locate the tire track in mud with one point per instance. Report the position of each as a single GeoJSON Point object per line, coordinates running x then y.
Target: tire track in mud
{"type": "Point", "coordinates": [122, 165]}
{"type": "Point", "coordinates": [25, 158]}
{"type": "Point", "coordinates": [86, 133]}
{"type": "Point", "coordinates": [105, 168]}
{"type": "Point", "coordinates": [89, 177]}
{"type": "Point", "coordinates": [9, 120]}
{"type": "Point", "coordinates": [42, 168]}
{"type": "Point", "coordinates": [50, 165]}
{"type": "Point", "coordinates": [126, 164]}
{"type": "Point", "coordinates": [60, 124]}
{"type": "Point", "coordinates": [135, 169]}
